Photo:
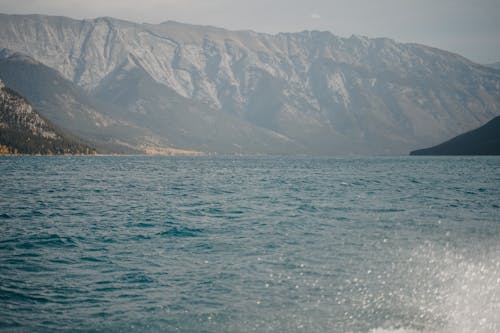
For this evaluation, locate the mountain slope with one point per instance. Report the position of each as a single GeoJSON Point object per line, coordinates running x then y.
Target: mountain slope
{"type": "Point", "coordinates": [309, 92]}
{"type": "Point", "coordinates": [484, 140]}
{"type": "Point", "coordinates": [136, 114]}
{"type": "Point", "coordinates": [182, 122]}
{"type": "Point", "coordinates": [23, 131]}
{"type": "Point", "coordinates": [70, 108]}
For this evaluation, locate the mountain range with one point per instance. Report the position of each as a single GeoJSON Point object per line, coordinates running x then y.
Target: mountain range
{"type": "Point", "coordinates": [130, 87]}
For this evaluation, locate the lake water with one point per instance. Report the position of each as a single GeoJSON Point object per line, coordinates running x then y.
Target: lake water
{"type": "Point", "coordinates": [250, 244]}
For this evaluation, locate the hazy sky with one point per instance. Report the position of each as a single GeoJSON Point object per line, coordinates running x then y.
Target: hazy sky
{"type": "Point", "coordinates": [468, 27]}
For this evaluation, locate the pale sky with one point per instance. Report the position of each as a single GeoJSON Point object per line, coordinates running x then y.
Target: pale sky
{"type": "Point", "coordinates": [468, 27]}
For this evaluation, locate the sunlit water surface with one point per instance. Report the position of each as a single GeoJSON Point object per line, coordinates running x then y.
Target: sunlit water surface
{"type": "Point", "coordinates": [250, 244]}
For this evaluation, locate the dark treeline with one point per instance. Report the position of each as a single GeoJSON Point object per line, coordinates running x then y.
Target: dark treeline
{"type": "Point", "coordinates": [13, 141]}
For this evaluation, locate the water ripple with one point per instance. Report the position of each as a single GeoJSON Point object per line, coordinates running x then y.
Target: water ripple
{"type": "Point", "coordinates": [249, 244]}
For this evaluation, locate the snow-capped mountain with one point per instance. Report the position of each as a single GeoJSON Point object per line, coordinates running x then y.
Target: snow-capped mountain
{"type": "Point", "coordinates": [211, 89]}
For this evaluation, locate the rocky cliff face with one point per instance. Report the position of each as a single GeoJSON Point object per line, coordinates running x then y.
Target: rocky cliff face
{"type": "Point", "coordinates": [16, 110]}
{"type": "Point", "coordinates": [308, 92]}
{"type": "Point", "coordinates": [23, 131]}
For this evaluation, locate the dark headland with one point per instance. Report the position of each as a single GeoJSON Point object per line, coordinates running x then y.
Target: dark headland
{"type": "Point", "coordinates": [484, 140]}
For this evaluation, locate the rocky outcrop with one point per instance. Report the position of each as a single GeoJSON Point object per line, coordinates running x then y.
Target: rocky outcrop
{"type": "Point", "coordinates": [24, 131]}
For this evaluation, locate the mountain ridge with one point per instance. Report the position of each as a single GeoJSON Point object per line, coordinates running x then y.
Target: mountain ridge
{"type": "Point", "coordinates": [326, 94]}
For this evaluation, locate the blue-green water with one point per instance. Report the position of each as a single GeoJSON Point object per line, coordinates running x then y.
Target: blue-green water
{"type": "Point", "coordinates": [240, 244]}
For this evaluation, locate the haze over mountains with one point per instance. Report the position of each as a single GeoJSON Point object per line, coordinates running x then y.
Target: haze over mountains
{"type": "Point", "coordinates": [131, 87]}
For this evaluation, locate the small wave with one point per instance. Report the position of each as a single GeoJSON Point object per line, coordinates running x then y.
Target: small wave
{"type": "Point", "coordinates": [136, 278]}
{"type": "Point", "coordinates": [56, 241]}
{"type": "Point", "coordinates": [307, 208]}
{"type": "Point", "coordinates": [181, 232]}
{"type": "Point", "coordinates": [92, 259]}
{"type": "Point", "coordinates": [214, 211]}
{"type": "Point", "coordinates": [140, 237]}
{"type": "Point", "coordinates": [398, 330]}
{"type": "Point", "coordinates": [144, 225]}
{"type": "Point", "coordinates": [36, 213]}
{"type": "Point", "coordinates": [50, 240]}
{"type": "Point", "coordinates": [387, 210]}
